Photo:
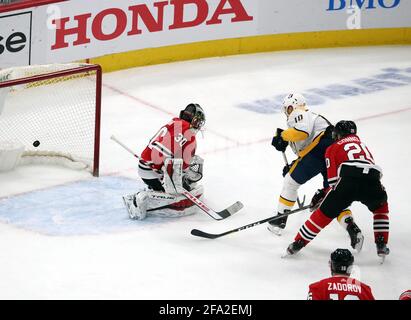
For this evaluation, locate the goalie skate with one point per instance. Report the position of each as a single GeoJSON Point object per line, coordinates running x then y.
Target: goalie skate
{"type": "Point", "coordinates": [136, 205]}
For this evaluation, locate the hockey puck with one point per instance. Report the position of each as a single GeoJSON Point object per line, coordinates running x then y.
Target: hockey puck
{"type": "Point", "coordinates": [36, 143]}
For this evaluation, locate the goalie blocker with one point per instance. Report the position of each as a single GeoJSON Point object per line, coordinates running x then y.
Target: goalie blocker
{"type": "Point", "coordinates": [171, 203]}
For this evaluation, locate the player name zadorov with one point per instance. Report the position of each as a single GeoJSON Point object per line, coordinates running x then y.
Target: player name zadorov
{"type": "Point", "coordinates": [348, 287]}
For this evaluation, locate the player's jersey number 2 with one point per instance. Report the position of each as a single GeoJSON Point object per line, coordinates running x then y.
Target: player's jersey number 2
{"type": "Point", "coordinates": [357, 151]}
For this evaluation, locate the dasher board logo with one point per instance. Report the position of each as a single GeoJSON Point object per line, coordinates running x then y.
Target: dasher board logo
{"type": "Point", "coordinates": [336, 5]}
{"type": "Point", "coordinates": [15, 39]}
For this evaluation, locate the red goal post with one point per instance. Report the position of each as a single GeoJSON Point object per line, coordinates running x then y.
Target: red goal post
{"type": "Point", "coordinates": [58, 105]}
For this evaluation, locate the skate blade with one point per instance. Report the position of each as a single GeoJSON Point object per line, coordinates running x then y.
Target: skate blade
{"type": "Point", "coordinates": [287, 255]}
{"type": "Point", "coordinates": [382, 258]}
{"type": "Point", "coordinates": [276, 231]}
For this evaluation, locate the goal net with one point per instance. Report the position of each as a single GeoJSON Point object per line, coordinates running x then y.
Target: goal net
{"type": "Point", "coordinates": [54, 112]}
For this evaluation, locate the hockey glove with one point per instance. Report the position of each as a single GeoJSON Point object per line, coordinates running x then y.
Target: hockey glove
{"type": "Point", "coordinates": [278, 142]}
{"type": "Point", "coordinates": [287, 168]}
{"type": "Point", "coordinates": [317, 199]}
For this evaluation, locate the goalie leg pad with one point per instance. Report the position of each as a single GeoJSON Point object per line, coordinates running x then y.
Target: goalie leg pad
{"type": "Point", "coordinates": [179, 205]}
{"type": "Point", "coordinates": [173, 176]}
{"type": "Point", "coordinates": [172, 213]}
{"type": "Point", "coordinates": [141, 204]}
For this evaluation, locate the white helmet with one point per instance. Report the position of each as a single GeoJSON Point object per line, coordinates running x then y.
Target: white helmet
{"type": "Point", "coordinates": [292, 102]}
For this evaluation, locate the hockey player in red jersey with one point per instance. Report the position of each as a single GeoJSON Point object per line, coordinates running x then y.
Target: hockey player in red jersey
{"type": "Point", "coordinates": [340, 286]}
{"type": "Point", "coordinates": [177, 139]}
{"type": "Point", "coordinates": [167, 164]}
{"type": "Point", "coordinates": [353, 176]}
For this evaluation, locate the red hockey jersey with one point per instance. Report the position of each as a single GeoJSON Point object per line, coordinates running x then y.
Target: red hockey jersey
{"type": "Point", "coordinates": [339, 287]}
{"type": "Point", "coordinates": [174, 140]}
{"type": "Point", "coordinates": [349, 151]}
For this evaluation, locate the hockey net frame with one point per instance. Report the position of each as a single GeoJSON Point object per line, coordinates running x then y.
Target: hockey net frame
{"type": "Point", "coordinates": [75, 70]}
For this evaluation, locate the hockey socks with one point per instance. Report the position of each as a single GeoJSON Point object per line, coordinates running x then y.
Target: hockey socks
{"type": "Point", "coordinates": [313, 226]}
{"type": "Point", "coordinates": [381, 223]}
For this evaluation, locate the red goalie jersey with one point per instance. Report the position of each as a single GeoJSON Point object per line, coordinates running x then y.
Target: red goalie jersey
{"type": "Point", "coordinates": [174, 140]}
{"type": "Point", "coordinates": [349, 153]}
{"type": "Point", "coordinates": [340, 288]}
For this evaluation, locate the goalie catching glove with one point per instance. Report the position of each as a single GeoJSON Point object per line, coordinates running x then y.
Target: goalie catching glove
{"type": "Point", "coordinates": [176, 179]}
{"type": "Point", "coordinates": [194, 173]}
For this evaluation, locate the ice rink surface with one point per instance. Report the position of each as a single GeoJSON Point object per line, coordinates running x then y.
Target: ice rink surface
{"type": "Point", "coordinates": [66, 235]}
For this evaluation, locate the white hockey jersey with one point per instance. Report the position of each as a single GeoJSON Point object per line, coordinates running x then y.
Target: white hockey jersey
{"type": "Point", "coordinates": [311, 123]}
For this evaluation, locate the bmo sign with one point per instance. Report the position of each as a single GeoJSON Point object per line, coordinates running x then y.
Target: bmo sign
{"type": "Point", "coordinates": [130, 20]}
{"type": "Point", "coordinates": [366, 4]}
{"type": "Point", "coordinates": [15, 40]}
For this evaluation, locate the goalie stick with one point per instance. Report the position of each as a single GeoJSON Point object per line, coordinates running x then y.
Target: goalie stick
{"type": "Point", "coordinates": [217, 215]}
{"type": "Point", "coordinates": [202, 234]}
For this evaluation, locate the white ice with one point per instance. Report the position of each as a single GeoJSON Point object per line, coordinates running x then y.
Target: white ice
{"type": "Point", "coordinates": [161, 260]}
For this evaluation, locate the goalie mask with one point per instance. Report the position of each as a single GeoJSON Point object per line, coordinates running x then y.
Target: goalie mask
{"type": "Point", "coordinates": [294, 101]}
{"type": "Point", "coordinates": [195, 115]}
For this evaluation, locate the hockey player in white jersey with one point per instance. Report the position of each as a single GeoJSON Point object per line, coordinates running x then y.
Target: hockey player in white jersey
{"type": "Point", "coordinates": [308, 135]}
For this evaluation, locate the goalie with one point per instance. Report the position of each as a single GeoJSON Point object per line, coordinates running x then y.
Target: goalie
{"type": "Point", "coordinates": [169, 165]}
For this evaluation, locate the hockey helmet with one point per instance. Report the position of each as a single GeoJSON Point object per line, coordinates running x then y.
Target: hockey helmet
{"type": "Point", "coordinates": [292, 102]}
{"type": "Point", "coordinates": [194, 114]}
{"type": "Point", "coordinates": [341, 261]}
{"type": "Point", "coordinates": [344, 128]}
{"type": "Point", "coordinates": [406, 295]}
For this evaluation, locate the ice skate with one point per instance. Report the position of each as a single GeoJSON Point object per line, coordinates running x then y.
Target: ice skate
{"type": "Point", "coordinates": [356, 236]}
{"type": "Point", "coordinates": [382, 249]}
{"type": "Point", "coordinates": [294, 248]}
{"type": "Point", "coordinates": [277, 226]}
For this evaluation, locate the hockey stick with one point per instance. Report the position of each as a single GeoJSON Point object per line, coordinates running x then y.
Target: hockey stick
{"type": "Point", "coordinates": [300, 204]}
{"type": "Point", "coordinates": [217, 215]}
{"type": "Point", "coordinates": [124, 146]}
{"type": "Point", "coordinates": [202, 234]}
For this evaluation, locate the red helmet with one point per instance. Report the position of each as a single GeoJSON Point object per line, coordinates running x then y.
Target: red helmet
{"type": "Point", "coordinates": [406, 295]}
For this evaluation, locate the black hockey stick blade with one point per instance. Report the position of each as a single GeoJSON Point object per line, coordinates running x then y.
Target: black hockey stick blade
{"type": "Point", "coordinates": [199, 233]}
{"type": "Point", "coordinates": [202, 234]}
